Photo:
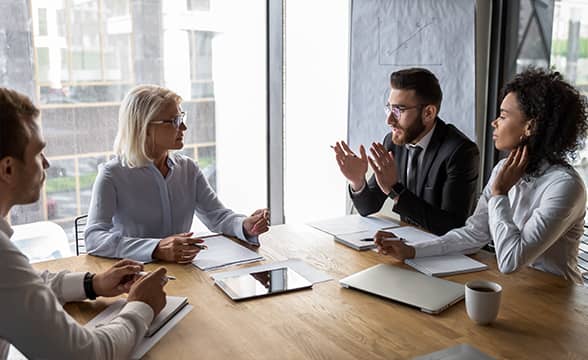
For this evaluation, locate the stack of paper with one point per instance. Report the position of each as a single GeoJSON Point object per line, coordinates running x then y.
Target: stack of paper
{"type": "Point", "coordinates": [175, 309]}
{"type": "Point", "coordinates": [413, 235]}
{"type": "Point", "coordinates": [222, 252]}
{"type": "Point", "coordinates": [445, 265]}
{"type": "Point", "coordinates": [355, 231]}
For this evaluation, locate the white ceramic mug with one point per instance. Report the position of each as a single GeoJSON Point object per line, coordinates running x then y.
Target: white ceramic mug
{"type": "Point", "coordinates": [482, 300]}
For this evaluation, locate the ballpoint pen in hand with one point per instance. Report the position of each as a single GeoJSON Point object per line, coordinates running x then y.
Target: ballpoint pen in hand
{"type": "Point", "coordinates": [167, 277]}
{"type": "Point", "coordinates": [393, 239]}
{"type": "Point", "coordinates": [201, 246]}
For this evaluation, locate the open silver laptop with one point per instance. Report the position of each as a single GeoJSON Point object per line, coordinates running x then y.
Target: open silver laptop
{"type": "Point", "coordinates": [430, 294]}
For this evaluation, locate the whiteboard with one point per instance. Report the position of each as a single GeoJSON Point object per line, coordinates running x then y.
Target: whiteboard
{"type": "Point", "coordinates": [389, 35]}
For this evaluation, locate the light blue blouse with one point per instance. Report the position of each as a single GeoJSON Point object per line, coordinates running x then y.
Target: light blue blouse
{"type": "Point", "coordinates": [132, 209]}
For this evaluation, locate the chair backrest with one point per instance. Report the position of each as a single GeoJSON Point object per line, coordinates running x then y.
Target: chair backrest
{"type": "Point", "coordinates": [41, 241]}
{"type": "Point", "coordinates": [583, 256]}
{"type": "Point", "coordinates": [79, 229]}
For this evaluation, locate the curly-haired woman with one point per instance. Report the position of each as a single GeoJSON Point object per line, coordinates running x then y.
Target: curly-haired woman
{"type": "Point", "coordinates": [533, 206]}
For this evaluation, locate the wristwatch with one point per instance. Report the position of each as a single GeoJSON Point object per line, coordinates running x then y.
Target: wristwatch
{"type": "Point", "coordinates": [89, 286]}
{"type": "Point", "coordinates": [396, 191]}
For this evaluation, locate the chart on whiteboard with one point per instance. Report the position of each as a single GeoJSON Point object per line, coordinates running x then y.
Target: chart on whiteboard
{"type": "Point", "coordinates": [389, 35]}
{"type": "Point", "coordinates": [397, 41]}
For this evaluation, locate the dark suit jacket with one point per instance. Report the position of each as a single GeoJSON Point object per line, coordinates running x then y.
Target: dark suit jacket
{"type": "Point", "coordinates": [446, 187]}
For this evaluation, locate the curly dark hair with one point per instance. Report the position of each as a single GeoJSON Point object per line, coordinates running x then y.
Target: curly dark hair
{"type": "Point", "coordinates": [560, 113]}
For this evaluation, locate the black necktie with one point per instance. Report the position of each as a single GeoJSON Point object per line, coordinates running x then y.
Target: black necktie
{"type": "Point", "coordinates": [414, 152]}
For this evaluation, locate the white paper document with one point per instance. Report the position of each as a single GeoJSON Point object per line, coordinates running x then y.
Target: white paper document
{"type": "Point", "coordinates": [175, 310]}
{"type": "Point", "coordinates": [413, 235]}
{"type": "Point", "coordinates": [445, 265]}
{"type": "Point", "coordinates": [352, 224]}
{"type": "Point", "coordinates": [222, 252]}
{"type": "Point", "coordinates": [305, 270]}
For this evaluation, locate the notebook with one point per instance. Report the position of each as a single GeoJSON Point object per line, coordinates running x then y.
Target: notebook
{"type": "Point", "coordinates": [355, 231]}
{"type": "Point", "coordinates": [352, 224]}
{"type": "Point", "coordinates": [173, 305]}
{"type": "Point", "coordinates": [363, 240]}
{"type": "Point", "coordinates": [174, 311]}
{"type": "Point", "coordinates": [222, 252]}
{"type": "Point", "coordinates": [445, 265]}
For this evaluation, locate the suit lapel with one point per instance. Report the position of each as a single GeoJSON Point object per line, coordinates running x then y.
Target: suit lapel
{"type": "Point", "coordinates": [430, 154]}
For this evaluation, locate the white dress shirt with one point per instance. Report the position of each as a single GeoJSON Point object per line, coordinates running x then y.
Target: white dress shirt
{"type": "Point", "coordinates": [33, 320]}
{"type": "Point", "coordinates": [132, 209]}
{"type": "Point", "coordinates": [539, 224]}
{"type": "Point", "coordinates": [423, 144]}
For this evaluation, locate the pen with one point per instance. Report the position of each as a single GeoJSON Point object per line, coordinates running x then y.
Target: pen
{"type": "Point", "coordinates": [393, 239]}
{"type": "Point", "coordinates": [167, 277]}
{"type": "Point", "coordinates": [201, 246]}
{"type": "Point", "coordinates": [266, 216]}
{"type": "Point", "coordinates": [367, 239]}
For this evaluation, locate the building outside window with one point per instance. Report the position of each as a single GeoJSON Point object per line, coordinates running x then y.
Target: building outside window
{"type": "Point", "coordinates": [84, 56]}
{"type": "Point", "coordinates": [569, 55]}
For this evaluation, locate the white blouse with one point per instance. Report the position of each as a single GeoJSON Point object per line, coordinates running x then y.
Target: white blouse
{"type": "Point", "coordinates": [539, 224]}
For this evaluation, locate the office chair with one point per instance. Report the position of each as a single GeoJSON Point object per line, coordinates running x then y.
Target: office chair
{"type": "Point", "coordinates": [79, 229]}
{"type": "Point", "coordinates": [583, 256]}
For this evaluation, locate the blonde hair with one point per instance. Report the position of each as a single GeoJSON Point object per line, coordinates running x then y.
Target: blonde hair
{"type": "Point", "coordinates": [139, 107]}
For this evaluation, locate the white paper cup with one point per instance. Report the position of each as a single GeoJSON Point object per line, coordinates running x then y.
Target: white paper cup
{"type": "Point", "coordinates": [482, 300]}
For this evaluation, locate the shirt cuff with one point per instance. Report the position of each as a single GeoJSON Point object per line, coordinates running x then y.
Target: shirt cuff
{"type": "Point", "coordinates": [240, 233]}
{"type": "Point", "coordinates": [72, 287]}
{"type": "Point", "coordinates": [141, 309]}
{"type": "Point", "coordinates": [147, 257]}
{"type": "Point", "coordinates": [426, 251]}
{"type": "Point", "coordinates": [353, 192]}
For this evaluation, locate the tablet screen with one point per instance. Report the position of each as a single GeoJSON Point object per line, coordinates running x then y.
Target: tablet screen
{"type": "Point", "coordinates": [262, 283]}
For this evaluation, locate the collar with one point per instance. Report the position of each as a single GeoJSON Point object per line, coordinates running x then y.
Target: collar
{"type": "Point", "coordinates": [171, 160]}
{"type": "Point", "coordinates": [425, 140]}
{"type": "Point", "coordinates": [5, 227]}
{"type": "Point", "coordinates": [543, 168]}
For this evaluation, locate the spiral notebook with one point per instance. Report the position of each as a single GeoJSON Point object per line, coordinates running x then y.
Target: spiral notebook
{"type": "Point", "coordinates": [446, 265]}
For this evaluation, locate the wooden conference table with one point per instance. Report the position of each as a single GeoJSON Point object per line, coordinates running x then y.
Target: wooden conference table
{"type": "Point", "coordinates": [541, 316]}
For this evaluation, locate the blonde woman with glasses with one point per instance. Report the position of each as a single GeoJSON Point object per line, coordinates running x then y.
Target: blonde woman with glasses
{"type": "Point", "coordinates": [143, 200]}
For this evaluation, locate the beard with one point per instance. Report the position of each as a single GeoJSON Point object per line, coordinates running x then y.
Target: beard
{"type": "Point", "coordinates": [410, 133]}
